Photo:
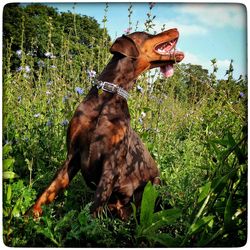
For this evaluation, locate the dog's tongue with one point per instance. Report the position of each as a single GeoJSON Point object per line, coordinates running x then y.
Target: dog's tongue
{"type": "Point", "coordinates": [167, 70]}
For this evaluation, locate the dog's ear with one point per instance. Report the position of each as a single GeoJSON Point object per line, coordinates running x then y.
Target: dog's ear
{"type": "Point", "coordinates": [125, 46]}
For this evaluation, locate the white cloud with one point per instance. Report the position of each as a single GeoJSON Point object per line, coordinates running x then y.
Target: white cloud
{"type": "Point", "coordinates": [195, 59]}
{"type": "Point", "coordinates": [184, 29]}
{"type": "Point", "coordinates": [224, 64]}
{"type": "Point", "coordinates": [217, 15]}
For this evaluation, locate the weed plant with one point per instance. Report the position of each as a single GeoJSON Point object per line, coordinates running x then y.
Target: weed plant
{"type": "Point", "coordinates": [194, 125]}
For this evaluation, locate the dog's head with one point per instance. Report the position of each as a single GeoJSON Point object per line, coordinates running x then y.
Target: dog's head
{"type": "Point", "coordinates": [150, 51]}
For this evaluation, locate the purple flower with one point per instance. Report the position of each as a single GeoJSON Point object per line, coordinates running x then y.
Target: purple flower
{"type": "Point", "coordinates": [19, 69]}
{"type": "Point", "coordinates": [19, 53]}
{"type": "Point", "coordinates": [27, 68]}
{"type": "Point", "coordinates": [49, 123]}
{"type": "Point", "coordinates": [49, 82]}
{"type": "Point", "coordinates": [65, 122]}
{"type": "Point", "coordinates": [79, 90]}
{"type": "Point", "coordinates": [40, 64]}
{"type": "Point", "coordinates": [128, 30]}
{"type": "Point", "coordinates": [91, 73]}
{"type": "Point", "coordinates": [151, 5]}
{"type": "Point", "coordinates": [242, 95]}
{"type": "Point", "coordinates": [37, 115]}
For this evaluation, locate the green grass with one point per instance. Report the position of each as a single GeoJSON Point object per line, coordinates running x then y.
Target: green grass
{"type": "Point", "coordinates": [194, 125]}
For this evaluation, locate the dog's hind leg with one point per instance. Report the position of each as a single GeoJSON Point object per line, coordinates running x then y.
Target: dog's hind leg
{"type": "Point", "coordinates": [61, 180]}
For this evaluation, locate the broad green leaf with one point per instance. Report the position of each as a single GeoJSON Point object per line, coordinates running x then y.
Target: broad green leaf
{"type": "Point", "coordinates": [194, 228]}
{"type": "Point", "coordinates": [9, 194]}
{"type": "Point", "coordinates": [237, 150]}
{"type": "Point", "coordinates": [228, 213]}
{"type": "Point", "coordinates": [168, 215]}
{"type": "Point", "coordinates": [147, 205]}
{"type": "Point", "coordinates": [160, 219]}
{"type": "Point", "coordinates": [165, 239]}
{"type": "Point", "coordinates": [134, 212]}
{"type": "Point", "coordinates": [6, 149]}
{"type": "Point", "coordinates": [9, 175]}
{"type": "Point", "coordinates": [16, 210]}
{"type": "Point", "coordinates": [219, 183]}
{"type": "Point", "coordinates": [7, 163]}
{"type": "Point", "coordinates": [204, 191]}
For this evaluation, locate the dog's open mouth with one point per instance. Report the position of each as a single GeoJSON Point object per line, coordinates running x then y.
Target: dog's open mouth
{"type": "Point", "coordinates": [168, 49]}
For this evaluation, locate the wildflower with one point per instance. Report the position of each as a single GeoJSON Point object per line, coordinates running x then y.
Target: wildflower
{"type": "Point", "coordinates": [19, 98]}
{"type": "Point", "coordinates": [65, 98]}
{"type": "Point", "coordinates": [49, 82]}
{"type": "Point", "coordinates": [143, 115]}
{"type": "Point", "coordinates": [37, 115]}
{"type": "Point", "coordinates": [7, 142]}
{"type": "Point", "coordinates": [48, 54]}
{"type": "Point", "coordinates": [79, 90]}
{"type": "Point", "coordinates": [32, 53]}
{"type": "Point", "coordinates": [19, 53]}
{"type": "Point", "coordinates": [91, 73]}
{"type": "Point", "coordinates": [40, 64]}
{"type": "Point", "coordinates": [128, 30]}
{"type": "Point", "coordinates": [19, 69]}
{"type": "Point", "coordinates": [48, 92]}
{"type": "Point", "coordinates": [139, 88]}
{"type": "Point", "coordinates": [27, 69]}
{"type": "Point", "coordinates": [242, 95]}
{"type": "Point", "coordinates": [65, 122]}
{"type": "Point", "coordinates": [140, 120]}
{"type": "Point", "coordinates": [49, 123]}
{"type": "Point", "coordinates": [160, 100]}
{"type": "Point", "coordinates": [53, 67]}
{"type": "Point", "coordinates": [151, 5]}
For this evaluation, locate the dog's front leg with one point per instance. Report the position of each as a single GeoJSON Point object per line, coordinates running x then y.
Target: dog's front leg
{"type": "Point", "coordinates": [104, 188]}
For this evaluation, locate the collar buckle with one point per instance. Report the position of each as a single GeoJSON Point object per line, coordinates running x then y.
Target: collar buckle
{"type": "Point", "coordinates": [111, 88]}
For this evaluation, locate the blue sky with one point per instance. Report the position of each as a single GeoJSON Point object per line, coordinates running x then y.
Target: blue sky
{"type": "Point", "coordinates": [207, 31]}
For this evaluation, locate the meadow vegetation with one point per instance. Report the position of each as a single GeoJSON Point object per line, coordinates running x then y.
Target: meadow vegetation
{"type": "Point", "coordinates": [194, 125]}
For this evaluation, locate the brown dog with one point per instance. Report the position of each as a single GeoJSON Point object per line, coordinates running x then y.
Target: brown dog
{"type": "Point", "coordinates": [100, 140]}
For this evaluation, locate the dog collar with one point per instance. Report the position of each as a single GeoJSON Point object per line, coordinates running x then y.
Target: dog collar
{"type": "Point", "coordinates": [111, 88]}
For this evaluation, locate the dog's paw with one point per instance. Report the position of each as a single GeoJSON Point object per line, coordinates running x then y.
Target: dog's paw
{"type": "Point", "coordinates": [97, 213]}
{"type": "Point", "coordinates": [34, 212]}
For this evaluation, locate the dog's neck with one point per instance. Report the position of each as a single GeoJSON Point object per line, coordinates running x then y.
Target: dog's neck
{"type": "Point", "coordinates": [120, 71]}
